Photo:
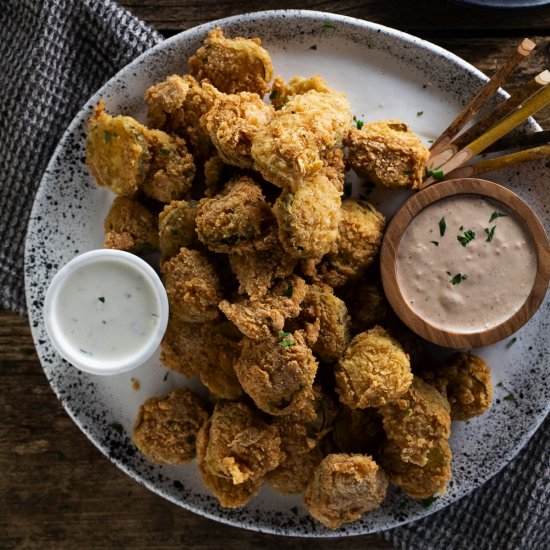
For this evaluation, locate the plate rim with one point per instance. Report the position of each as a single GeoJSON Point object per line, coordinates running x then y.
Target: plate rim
{"type": "Point", "coordinates": [203, 28]}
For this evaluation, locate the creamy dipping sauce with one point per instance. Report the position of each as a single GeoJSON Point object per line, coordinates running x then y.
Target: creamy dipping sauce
{"type": "Point", "coordinates": [466, 264]}
{"type": "Point", "coordinates": [107, 310]}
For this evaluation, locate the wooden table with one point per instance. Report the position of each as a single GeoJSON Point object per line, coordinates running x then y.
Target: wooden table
{"type": "Point", "coordinates": [56, 489]}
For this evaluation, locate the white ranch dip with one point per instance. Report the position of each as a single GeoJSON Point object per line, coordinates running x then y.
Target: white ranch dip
{"type": "Point", "coordinates": [107, 310]}
{"type": "Point", "coordinates": [465, 264]}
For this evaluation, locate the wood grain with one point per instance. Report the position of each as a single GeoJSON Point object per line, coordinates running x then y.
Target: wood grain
{"type": "Point", "coordinates": [56, 490]}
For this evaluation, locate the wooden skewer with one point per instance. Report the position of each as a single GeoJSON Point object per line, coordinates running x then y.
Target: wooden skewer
{"type": "Point", "coordinates": [488, 91]}
{"type": "Point", "coordinates": [531, 106]}
{"type": "Point", "coordinates": [504, 161]}
{"type": "Point", "coordinates": [503, 109]}
{"type": "Point", "coordinates": [518, 142]}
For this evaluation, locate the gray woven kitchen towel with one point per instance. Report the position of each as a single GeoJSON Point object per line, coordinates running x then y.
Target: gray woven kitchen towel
{"type": "Point", "coordinates": [53, 55]}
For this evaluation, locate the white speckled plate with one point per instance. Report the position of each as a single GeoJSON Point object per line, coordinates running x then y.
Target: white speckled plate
{"type": "Point", "coordinates": [386, 74]}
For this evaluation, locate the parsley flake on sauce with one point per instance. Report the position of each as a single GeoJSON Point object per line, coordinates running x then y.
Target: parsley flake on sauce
{"type": "Point", "coordinates": [435, 243]}
{"type": "Point", "coordinates": [466, 238]}
{"type": "Point", "coordinates": [419, 113]}
{"type": "Point", "coordinates": [496, 215]}
{"type": "Point", "coordinates": [314, 47]}
{"type": "Point", "coordinates": [458, 278]}
{"type": "Point", "coordinates": [328, 25]}
{"type": "Point", "coordinates": [490, 233]}
{"type": "Point", "coordinates": [442, 226]}
{"type": "Point", "coordinates": [101, 299]}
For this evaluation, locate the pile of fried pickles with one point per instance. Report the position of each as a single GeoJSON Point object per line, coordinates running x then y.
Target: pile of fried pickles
{"type": "Point", "coordinates": [237, 182]}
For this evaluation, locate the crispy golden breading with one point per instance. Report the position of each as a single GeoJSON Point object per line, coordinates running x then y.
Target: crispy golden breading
{"type": "Point", "coordinates": [177, 227]}
{"type": "Point", "coordinates": [166, 427]}
{"type": "Point", "coordinates": [388, 154]}
{"type": "Point", "coordinates": [117, 152]}
{"type": "Point", "coordinates": [228, 494]}
{"type": "Point", "coordinates": [172, 167]}
{"type": "Point", "coordinates": [282, 91]}
{"type": "Point", "coordinates": [241, 446]}
{"type": "Point", "coordinates": [465, 380]}
{"type": "Point", "coordinates": [258, 269]}
{"type": "Point", "coordinates": [290, 148]}
{"type": "Point", "coordinates": [416, 421]}
{"type": "Point", "coordinates": [231, 220]}
{"type": "Point", "coordinates": [366, 304]}
{"type": "Point", "coordinates": [184, 347]}
{"type": "Point", "coordinates": [373, 371]}
{"type": "Point", "coordinates": [418, 481]}
{"type": "Point", "coordinates": [131, 226]}
{"type": "Point", "coordinates": [278, 373]}
{"type": "Point", "coordinates": [358, 431]}
{"type": "Point", "coordinates": [192, 285]}
{"type": "Point", "coordinates": [360, 235]}
{"type": "Point", "coordinates": [219, 374]}
{"type": "Point", "coordinates": [293, 475]}
{"type": "Point", "coordinates": [309, 217]}
{"type": "Point", "coordinates": [233, 122]}
{"type": "Point", "coordinates": [343, 487]}
{"type": "Point", "coordinates": [262, 318]}
{"type": "Point", "coordinates": [334, 168]}
{"type": "Point", "coordinates": [176, 106]}
{"type": "Point", "coordinates": [320, 304]}
{"type": "Point", "coordinates": [233, 65]}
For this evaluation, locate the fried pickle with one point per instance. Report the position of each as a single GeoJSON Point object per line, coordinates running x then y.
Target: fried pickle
{"type": "Point", "coordinates": [388, 154]}
{"type": "Point", "coordinates": [166, 427]}
{"type": "Point", "coordinates": [177, 227]}
{"type": "Point", "coordinates": [416, 421]}
{"type": "Point", "coordinates": [373, 371]}
{"type": "Point", "coordinates": [192, 285]}
{"type": "Point", "coordinates": [343, 487]}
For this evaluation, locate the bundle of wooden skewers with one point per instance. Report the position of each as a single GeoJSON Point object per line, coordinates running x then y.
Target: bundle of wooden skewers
{"type": "Point", "coordinates": [454, 148]}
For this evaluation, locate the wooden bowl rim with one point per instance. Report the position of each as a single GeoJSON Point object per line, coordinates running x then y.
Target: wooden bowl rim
{"type": "Point", "coordinates": [430, 195]}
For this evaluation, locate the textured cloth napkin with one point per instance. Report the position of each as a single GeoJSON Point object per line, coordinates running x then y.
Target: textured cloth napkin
{"type": "Point", "coordinates": [53, 55]}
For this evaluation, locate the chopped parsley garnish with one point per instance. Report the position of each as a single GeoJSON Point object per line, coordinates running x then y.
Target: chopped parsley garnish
{"type": "Point", "coordinates": [101, 299]}
{"type": "Point", "coordinates": [328, 25]}
{"type": "Point", "coordinates": [117, 427]}
{"type": "Point", "coordinates": [442, 226]}
{"type": "Point", "coordinates": [427, 502]}
{"type": "Point", "coordinates": [314, 47]}
{"type": "Point", "coordinates": [496, 215]}
{"type": "Point", "coordinates": [165, 377]}
{"type": "Point", "coordinates": [449, 273]}
{"type": "Point", "coordinates": [461, 228]}
{"type": "Point", "coordinates": [359, 124]}
{"type": "Point", "coordinates": [273, 95]}
{"type": "Point", "coordinates": [499, 385]}
{"type": "Point", "coordinates": [419, 113]}
{"type": "Point", "coordinates": [509, 397]}
{"type": "Point", "coordinates": [466, 238]}
{"type": "Point", "coordinates": [165, 151]}
{"type": "Point", "coordinates": [437, 174]}
{"type": "Point", "coordinates": [288, 292]}
{"type": "Point", "coordinates": [286, 339]}
{"type": "Point", "coordinates": [511, 342]}
{"type": "Point", "coordinates": [436, 243]}
{"type": "Point", "coordinates": [490, 233]}
{"type": "Point", "coordinates": [458, 278]}
{"type": "Point", "coordinates": [107, 136]}
{"type": "Point", "coordinates": [155, 315]}
{"type": "Point", "coordinates": [86, 352]}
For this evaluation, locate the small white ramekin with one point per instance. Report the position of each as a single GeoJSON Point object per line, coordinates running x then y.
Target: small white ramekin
{"type": "Point", "coordinates": [73, 355]}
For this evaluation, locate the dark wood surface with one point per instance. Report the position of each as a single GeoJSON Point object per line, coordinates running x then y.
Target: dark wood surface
{"type": "Point", "coordinates": [56, 489]}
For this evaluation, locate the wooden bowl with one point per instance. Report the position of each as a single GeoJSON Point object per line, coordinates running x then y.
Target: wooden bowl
{"type": "Point", "coordinates": [400, 222]}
